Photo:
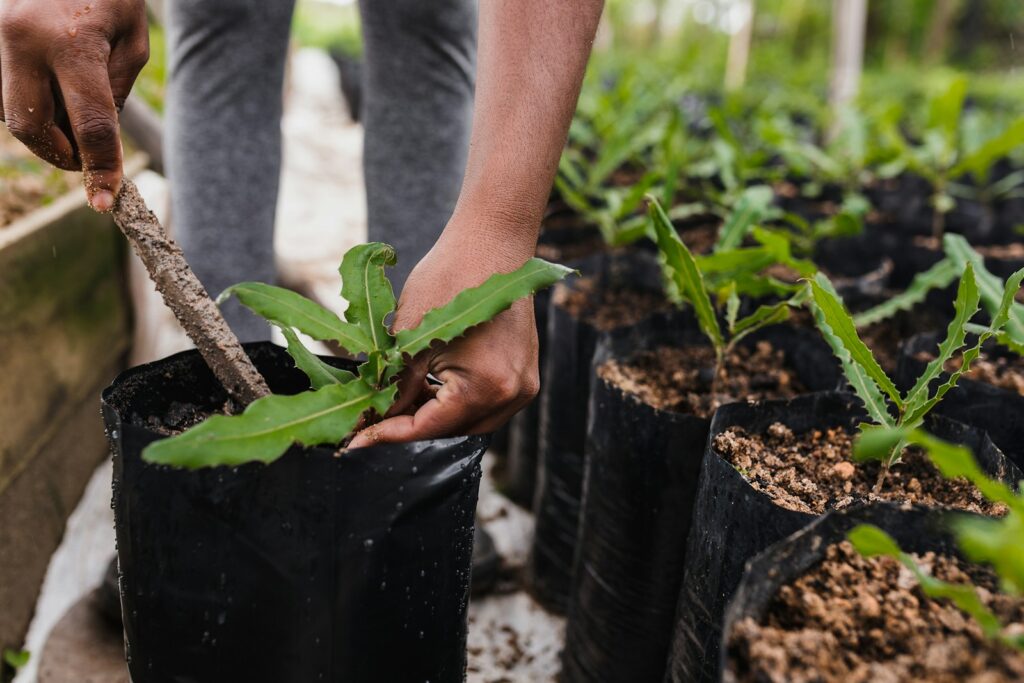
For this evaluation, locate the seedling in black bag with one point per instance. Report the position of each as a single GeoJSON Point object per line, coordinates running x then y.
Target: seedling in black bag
{"type": "Point", "coordinates": [885, 404]}
{"type": "Point", "coordinates": [996, 542]}
{"type": "Point", "coordinates": [339, 399]}
{"type": "Point", "coordinates": [685, 281]}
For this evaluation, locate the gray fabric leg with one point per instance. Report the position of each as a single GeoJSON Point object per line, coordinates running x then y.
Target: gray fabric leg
{"type": "Point", "coordinates": [227, 61]}
{"type": "Point", "coordinates": [420, 67]}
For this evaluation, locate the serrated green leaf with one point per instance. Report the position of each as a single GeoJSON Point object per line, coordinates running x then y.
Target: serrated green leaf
{"type": "Point", "coordinates": [751, 208]}
{"type": "Point", "coordinates": [291, 309]}
{"type": "Point", "coordinates": [990, 287]}
{"type": "Point", "coordinates": [964, 308]}
{"type": "Point", "coordinates": [838, 329]}
{"type": "Point", "coordinates": [320, 373]}
{"type": "Point", "coordinates": [939, 276]}
{"type": "Point", "coordinates": [365, 286]}
{"type": "Point", "coordinates": [682, 275]}
{"type": "Point", "coordinates": [270, 426]}
{"type": "Point", "coordinates": [475, 306]}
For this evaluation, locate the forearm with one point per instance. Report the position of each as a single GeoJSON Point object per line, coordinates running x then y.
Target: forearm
{"type": "Point", "coordinates": [531, 61]}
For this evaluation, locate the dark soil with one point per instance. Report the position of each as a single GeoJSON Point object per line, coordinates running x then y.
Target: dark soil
{"type": "Point", "coordinates": [814, 472]}
{"type": "Point", "coordinates": [885, 337]}
{"type": "Point", "coordinates": [608, 308]}
{"type": "Point", "coordinates": [857, 620]}
{"type": "Point", "coordinates": [571, 251]}
{"type": "Point", "coordinates": [1002, 372]}
{"type": "Point", "coordinates": [678, 379]}
{"type": "Point", "coordinates": [180, 417]}
{"type": "Point", "coordinates": [700, 239]}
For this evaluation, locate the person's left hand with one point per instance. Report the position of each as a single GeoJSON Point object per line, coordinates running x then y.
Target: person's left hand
{"type": "Point", "coordinates": [488, 375]}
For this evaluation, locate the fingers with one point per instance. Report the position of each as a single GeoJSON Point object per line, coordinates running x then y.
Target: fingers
{"type": "Point", "coordinates": [30, 113]}
{"type": "Point", "coordinates": [128, 56]}
{"type": "Point", "coordinates": [89, 101]}
{"type": "Point", "coordinates": [454, 410]}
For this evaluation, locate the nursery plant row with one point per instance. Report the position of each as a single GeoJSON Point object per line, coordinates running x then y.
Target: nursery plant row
{"type": "Point", "coordinates": [757, 310]}
{"type": "Point", "coordinates": [778, 436]}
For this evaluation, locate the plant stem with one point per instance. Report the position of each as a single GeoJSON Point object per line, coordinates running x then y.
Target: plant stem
{"type": "Point", "coordinates": [719, 375]}
{"type": "Point", "coordinates": [187, 298]}
{"type": "Point", "coordinates": [883, 472]}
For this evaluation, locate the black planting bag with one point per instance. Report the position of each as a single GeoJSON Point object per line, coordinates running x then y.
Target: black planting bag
{"type": "Point", "coordinates": [563, 423]}
{"type": "Point", "coordinates": [917, 529]}
{"type": "Point", "coordinates": [642, 468]}
{"type": "Point", "coordinates": [317, 567]}
{"type": "Point", "coordinates": [732, 521]}
{"type": "Point", "coordinates": [641, 477]}
{"type": "Point", "coordinates": [518, 479]}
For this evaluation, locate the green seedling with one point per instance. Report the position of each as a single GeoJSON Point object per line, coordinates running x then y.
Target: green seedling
{"type": "Point", "coordinates": [992, 541]}
{"type": "Point", "coordinates": [339, 399]}
{"type": "Point", "coordinates": [685, 282]}
{"type": "Point", "coordinates": [955, 146]}
{"type": "Point", "coordinates": [885, 404]}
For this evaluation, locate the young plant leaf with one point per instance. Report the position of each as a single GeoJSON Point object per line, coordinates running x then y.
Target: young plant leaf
{"type": "Point", "coordinates": [995, 542]}
{"type": "Point", "coordinates": [762, 317]}
{"type": "Point", "coordinates": [856, 358]}
{"type": "Point", "coordinates": [749, 210]}
{"type": "Point", "coordinates": [682, 276]}
{"type": "Point", "coordinates": [965, 306]}
{"type": "Point", "coordinates": [291, 309]}
{"type": "Point", "coordinates": [939, 276]}
{"type": "Point", "coordinates": [320, 373]}
{"type": "Point", "coordinates": [478, 305]}
{"type": "Point", "coordinates": [999, 319]}
{"type": "Point", "coordinates": [991, 288]}
{"type": "Point", "coordinates": [270, 426]}
{"type": "Point", "coordinates": [365, 286]}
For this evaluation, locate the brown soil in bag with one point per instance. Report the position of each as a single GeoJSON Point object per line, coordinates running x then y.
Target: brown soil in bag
{"type": "Point", "coordinates": [608, 308]}
{"type": "Point", "coordinates": [857, 620]}
{"type": "Point", "coordinates": [679, 379]}
{"type": "Point", "coordinates": [814, 472]}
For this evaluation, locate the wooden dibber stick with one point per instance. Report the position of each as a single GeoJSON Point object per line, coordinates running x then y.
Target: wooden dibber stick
{"type": "Point", "coordinates": [187, 298]}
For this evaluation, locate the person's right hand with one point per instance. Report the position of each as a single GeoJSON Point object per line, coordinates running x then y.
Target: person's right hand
{"type": "Point", "coordinates": [66, 68]}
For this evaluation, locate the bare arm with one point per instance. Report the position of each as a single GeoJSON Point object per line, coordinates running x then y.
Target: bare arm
{"type": "Point", "coordinates": [532, 57]}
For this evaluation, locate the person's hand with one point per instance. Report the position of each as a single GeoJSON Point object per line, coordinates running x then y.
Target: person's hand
{"type": "Point", "coordinates": [66, 68]}
{"type": "Point", "coordinates": [488, 375]}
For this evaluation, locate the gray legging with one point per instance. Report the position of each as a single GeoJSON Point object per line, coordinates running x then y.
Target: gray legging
{"type": "Point", "coordinates": [224, 110]}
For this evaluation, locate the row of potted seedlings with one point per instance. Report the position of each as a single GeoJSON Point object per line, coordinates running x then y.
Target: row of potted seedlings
{"type": "Point", "coordinates": [652, 497]}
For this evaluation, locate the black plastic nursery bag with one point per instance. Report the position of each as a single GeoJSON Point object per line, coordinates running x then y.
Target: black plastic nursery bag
{"type": "Point", "coordinates": [732, 521]}
{"type": "Point", "coordinates": [318, 567]}
{"type": "Point", "coordinates": [563, 421]}
{"type": "Point", "coordinates": [917, 529]}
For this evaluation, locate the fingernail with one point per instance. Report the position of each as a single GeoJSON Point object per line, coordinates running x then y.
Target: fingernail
{"type": "Point", "coordinates": [103, 201]}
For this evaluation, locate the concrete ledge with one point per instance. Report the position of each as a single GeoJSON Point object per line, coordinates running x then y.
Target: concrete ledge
{"type": "Point", "coordinates": [64, 333]}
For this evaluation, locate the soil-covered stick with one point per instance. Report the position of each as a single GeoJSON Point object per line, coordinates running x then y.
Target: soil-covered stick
{"type": "Point", "coordinates": [187, 298]}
